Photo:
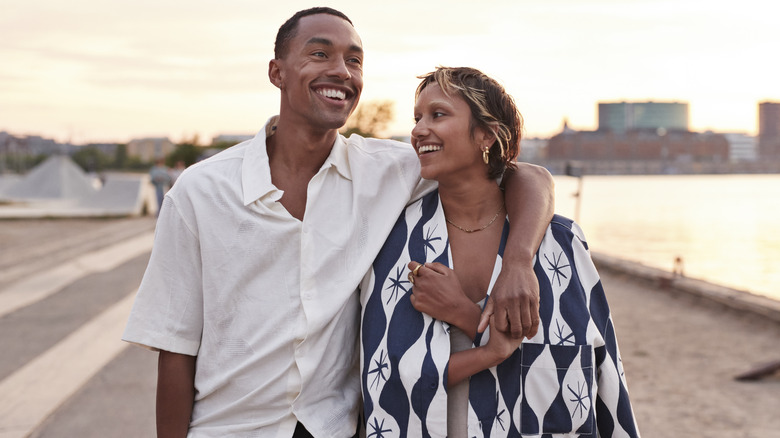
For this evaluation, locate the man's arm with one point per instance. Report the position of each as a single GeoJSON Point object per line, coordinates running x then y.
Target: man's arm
{"type": "Point", "coordinates": [175, 394]}
{"type": "Point", "coordinates": [530, 201]}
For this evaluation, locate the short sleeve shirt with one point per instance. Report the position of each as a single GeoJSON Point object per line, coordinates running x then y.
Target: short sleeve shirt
{"type": "Point", "coordinates": [267, 302]}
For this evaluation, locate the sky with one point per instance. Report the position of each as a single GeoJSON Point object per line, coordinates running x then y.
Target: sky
{"type": "Point", "coordinates": [85, 71]}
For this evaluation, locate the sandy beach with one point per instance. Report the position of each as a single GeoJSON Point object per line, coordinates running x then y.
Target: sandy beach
{"type": "Point", "coordinates": [681, 353]}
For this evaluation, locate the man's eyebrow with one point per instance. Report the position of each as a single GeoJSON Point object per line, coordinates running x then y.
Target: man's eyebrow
{"type": "Point", "coordinates": [327, 42]}
{"type": "Point", "coordinates": [319, 40]}
{"type": "Point", "coordinates": [355, 48]}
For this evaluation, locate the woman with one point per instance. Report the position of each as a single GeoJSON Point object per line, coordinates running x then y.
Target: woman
{"type": "Point", "coordinates": [422, 298]}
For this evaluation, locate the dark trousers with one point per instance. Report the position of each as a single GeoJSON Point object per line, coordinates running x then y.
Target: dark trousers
{"type": "Point", "coordinates": [301, 432]}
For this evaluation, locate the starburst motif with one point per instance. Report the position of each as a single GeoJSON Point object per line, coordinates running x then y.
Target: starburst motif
{"type": "Point", "coordinates": [378, 430]}
{"type": "Point", "coordinates": [429, 239]}
{"type": "Point", "coordinates": [499, 415]}
{"type": "Point", "coordinates": [396, 284]}
{"type": "Point", "coordinates": [580, 396]}
{"type": "Point", "coordinates": [559, 333]}
{"type": "Point", "coordinates": [379, 370]}
{"type": "Point", "coordinates": [557, 270]}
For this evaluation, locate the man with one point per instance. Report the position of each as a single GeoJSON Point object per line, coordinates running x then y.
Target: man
{"type": "Point", "coordinates": [250, 290]}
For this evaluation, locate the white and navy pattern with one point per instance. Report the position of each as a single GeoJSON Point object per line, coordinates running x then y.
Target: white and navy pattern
{"type": "Point", "coordinates": [567, 381]}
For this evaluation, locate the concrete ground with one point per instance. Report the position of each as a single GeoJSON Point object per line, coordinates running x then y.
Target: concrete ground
{"type": "Point", "coordinates": [64, 372]}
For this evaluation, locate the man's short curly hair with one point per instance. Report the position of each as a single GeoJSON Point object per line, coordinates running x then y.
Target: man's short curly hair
{"type": "Point", "coordinates": [288, 30]}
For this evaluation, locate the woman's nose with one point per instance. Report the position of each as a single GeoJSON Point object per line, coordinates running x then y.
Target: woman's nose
{"type": "Point", "coordinates": [420, 129]}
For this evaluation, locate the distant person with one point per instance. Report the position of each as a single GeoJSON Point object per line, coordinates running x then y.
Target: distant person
{"type": "Point", "coordinates": [161, 180]}
{"type": "Point", "coordinates": [250, 295]}
{"type": "Point", "coordinates": [176, 171]}
{"type": "Point", "coordinates": [422, 376]}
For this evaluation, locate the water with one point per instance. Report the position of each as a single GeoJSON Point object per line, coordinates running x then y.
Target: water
{"type": "Point", "coordinates": [726, 228]}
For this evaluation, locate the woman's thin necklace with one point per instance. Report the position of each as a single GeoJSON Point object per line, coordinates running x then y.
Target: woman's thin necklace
{"type": "Point", "coordinates": [466, 230]}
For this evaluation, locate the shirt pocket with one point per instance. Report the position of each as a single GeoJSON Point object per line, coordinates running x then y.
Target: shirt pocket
{"type": "Point", "coordinates": [557, 389]}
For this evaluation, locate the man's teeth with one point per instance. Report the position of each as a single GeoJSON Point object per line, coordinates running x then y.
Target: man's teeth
{"type": "Point", "coordinates": [333, 94]}
{"type": "Point", "coordinates": [428, 148]}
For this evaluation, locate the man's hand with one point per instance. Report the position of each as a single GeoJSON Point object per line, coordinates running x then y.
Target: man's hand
{"type": "Point", "coordinates": [514, 302]}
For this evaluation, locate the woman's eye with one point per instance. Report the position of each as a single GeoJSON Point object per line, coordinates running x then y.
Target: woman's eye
{"type": "Point", "coordinates": [438, 114]}
{"type": "Point", "coordinates": [416, 119]}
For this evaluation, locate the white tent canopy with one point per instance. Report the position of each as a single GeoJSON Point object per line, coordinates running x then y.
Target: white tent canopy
{"type": "Point", "coordinates": [58, 177]}
{"type": "Point", "coordinates": [60, 188]}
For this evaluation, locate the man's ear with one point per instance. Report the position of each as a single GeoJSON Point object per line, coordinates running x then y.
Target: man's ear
{"type": "Point", "coordinates": [275, 73]}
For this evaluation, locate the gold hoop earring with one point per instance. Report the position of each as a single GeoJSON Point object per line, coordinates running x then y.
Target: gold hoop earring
{"type": "Point", "coordinates": [485, 156]}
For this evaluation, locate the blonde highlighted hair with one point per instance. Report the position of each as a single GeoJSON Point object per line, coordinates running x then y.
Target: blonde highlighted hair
{"type": "Point", "coordinates": [492, 109]}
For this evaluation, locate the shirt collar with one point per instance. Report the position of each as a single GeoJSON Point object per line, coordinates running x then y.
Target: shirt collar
{"type": "Point", "coordinates": [339, 157]}
{"type": "Point", "coordinates": [256, 171]}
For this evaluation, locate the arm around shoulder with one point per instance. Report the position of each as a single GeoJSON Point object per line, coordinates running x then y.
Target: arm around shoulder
{"type": "Point", "coordinates": [530, 201]}
{"type": "Point", "coordinates": [530, 204]}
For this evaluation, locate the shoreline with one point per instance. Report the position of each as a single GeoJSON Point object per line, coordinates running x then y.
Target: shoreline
{"type": "Point", "coordinates": [660, 279]}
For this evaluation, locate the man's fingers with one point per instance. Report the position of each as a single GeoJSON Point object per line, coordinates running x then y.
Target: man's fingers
{"type": "Point", "coordinates": [533, 314]}
{"type": "Point", "coordinates": [527, 322]}
{"type": "Point", "coordinates": [502, 318]}
{"type": "Point", "coordinates": [515, 318]}
{"type": "Point", "coordinates": [534, 328]}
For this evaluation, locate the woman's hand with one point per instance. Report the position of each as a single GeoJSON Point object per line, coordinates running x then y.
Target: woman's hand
{"type": "Point", "coordinates": [514, 302]}
{"type": "Point", "coordinates": [500, 346]}
{"type": "Point", "coordinates": [437, 292]}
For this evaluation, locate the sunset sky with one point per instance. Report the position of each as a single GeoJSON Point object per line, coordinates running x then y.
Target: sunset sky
{"type": "Point", "coordinates": [111, 70]}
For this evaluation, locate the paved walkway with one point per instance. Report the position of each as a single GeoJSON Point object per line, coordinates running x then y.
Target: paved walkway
{"type": "Point", "coordinates": [64, 372]}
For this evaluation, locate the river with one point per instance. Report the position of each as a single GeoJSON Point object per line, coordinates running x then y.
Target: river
{"type": "Point", "coordinates": [726, 228]}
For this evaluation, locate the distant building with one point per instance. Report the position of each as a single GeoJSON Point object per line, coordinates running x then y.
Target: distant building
{"type": "Point", "coordinates": [623, 117]}
{"type": "Point", "coordinates": [742, 147]}
{"type": "Point", "coordinates": [670, 147]}
{"type": "Point", "coordinates": [105, 148]}
{"type": "Point", "coordinates": [769, 130]}
{"type": "Point", "coordinates": [149, 149]}
{"type": "Point", "coordinates": [532, 149]}
{"type": "Point", "coordinates": [30, 145]}
{"type": "Point", "coordinates": [231, 138]}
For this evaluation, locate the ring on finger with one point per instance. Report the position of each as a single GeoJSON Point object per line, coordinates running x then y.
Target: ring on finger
{"type": "Point", "coordinates": [417, 268]}
{"type": "Point", "coordinates": [411, 278]}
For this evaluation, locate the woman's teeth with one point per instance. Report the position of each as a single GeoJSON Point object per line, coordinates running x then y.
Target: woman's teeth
{"type": "Point", "coordinates": [428, 148]}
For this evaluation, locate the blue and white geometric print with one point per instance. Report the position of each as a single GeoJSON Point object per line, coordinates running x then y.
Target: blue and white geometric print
{"type": "Point", "coordinates": [547, 389]}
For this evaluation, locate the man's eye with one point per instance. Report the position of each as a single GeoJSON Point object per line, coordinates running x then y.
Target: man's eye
{"type": "Point", "coordinates": [416, 119]}
{"type": "Point", "coordinates": [438, 114]}
{"type": "Point", "coordinates": [319, 54]}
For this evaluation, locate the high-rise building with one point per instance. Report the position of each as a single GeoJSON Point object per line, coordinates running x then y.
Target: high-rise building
{"type": "Point", "coordinates": [622, 117]}
{"type": "Point", "coordinates": [769, 129]}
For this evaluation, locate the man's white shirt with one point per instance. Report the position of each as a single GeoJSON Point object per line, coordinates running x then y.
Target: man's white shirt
{"type": "Point", "coordinates": [266, 302]}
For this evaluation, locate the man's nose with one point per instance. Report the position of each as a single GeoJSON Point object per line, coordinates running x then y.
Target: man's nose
{"type": "Point", "coordinates": [338, 68]}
